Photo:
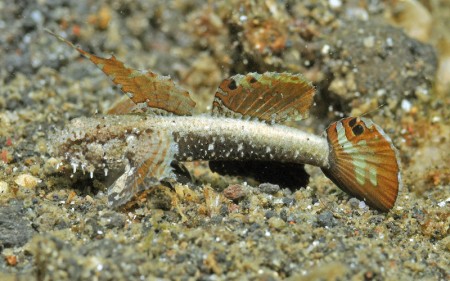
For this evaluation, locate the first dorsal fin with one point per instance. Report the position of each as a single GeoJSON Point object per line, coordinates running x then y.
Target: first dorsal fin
{"type": "Point", "coordinates": [146, 89]}
{"type": "Point", "coordinates": [271, 97]}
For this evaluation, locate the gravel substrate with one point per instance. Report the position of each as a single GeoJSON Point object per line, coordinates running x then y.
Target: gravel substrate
{"type": "Point", "coordinates": [56, 224]}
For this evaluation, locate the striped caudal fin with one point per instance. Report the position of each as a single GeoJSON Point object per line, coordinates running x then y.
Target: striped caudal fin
{"type": "Point", "coordinates": [364, 162]}
{"type": "Point", "coordinates": [149, 163]}
{"type": "Point", "coordinates": [271, 97]}
{"type": "Point", "coordinates": [146, 89]}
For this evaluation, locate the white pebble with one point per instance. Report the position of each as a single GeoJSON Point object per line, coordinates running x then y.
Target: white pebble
{"type": "Point", "coordinates": [334, 4]}
{"type": "Point", "coordinates": [369, 42]}
{"type": "Point", "coordinates": [325, 49]}
{"type": "Point", "coordinates": [389, 42]}
{"type": "Point", "coordinates": [362, 204]}
{"type": "Point", "coordinates": [406, 105]}
{"type": "Point", "coordinates": [27, 180]}
{"type": "Point", "coordinates": [444, 202]}
{"type": "Point", "coordinates": [4, 189]}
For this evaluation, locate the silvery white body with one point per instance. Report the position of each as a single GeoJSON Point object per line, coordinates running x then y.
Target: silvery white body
{"type": "Point", "coordinates": [103, 141]}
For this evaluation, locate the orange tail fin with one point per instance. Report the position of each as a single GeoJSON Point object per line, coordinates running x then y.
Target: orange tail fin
{"type": "Point", "coordinates": [364, 162]}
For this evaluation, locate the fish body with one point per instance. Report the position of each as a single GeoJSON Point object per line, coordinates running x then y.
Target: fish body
{"type": "Point", "coordinates": [154, 126]}
{"type": "Point", "coordinates": [98, 142]}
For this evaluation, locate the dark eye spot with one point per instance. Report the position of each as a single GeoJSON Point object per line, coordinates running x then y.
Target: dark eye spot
{"type": "Point", "coordinates": [232, 85]}
{"type": "Point", "coordinates": [358, 130]}
{"type": "Point", "coordinates": [253, 80]}
{"type": "Point", "coordinates": [352, 122]}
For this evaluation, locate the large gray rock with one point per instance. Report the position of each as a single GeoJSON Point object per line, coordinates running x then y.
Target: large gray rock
{"type": "Point", "coordinates": [368, 61]}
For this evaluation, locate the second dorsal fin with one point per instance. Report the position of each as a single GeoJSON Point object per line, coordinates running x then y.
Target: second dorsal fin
{"type": "Point", "coordinates": [146, 89]}
{"type": "Point", "coordinates": [271, 97]}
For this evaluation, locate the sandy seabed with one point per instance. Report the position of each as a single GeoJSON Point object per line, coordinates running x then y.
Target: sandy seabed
{"type": "Point", "coordinates": [56, 225]}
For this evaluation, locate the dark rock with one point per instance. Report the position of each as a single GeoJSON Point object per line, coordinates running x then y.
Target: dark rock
{"type": "Point", "coordinates": [269, 188]}
{"type": "Point", "coordinates": [286, 191]}
{"type": "Point", "coordinates": [326, 219]}
{"type": "Point", "coordinates": [15, 230]}
{"type": "Point", "coordinates": [291, 218]}
{"type": "Point", "coordinates": [223, 211]}
{"type": "Point", "coordinates": [270, 213]}
{"type": "Point", "coordinates": [393, 66]}
{"type": "Point", "coordinates": [216, 219]}
{"type": "Point", "coordinates": [93, 229]}
{"type": "Point", "coordinates": [254, 227]}
{"type": "Point", "coordinates": [288, 201]}
{"type": "Point", "coordinates": [284, 215]}
{"type": "Point", "coordinates": [111, 219]}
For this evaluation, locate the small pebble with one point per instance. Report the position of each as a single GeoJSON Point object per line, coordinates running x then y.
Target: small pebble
{"type": "Point", "coordinates": [27, 180]}
{"type": "Point", "coordinates": [276, 223]}
{"type": "Point", "coordinates": [288, 201]}
{"type": "Point", "coordinates": [269, 188]}
{"type": "Point", "coordinates": [4, 189]}
{"type": "Point", "coordinates": [234, 192]}
{"type": "Point", "coordinates": [269, 214]}
{"type": "Point", "coordinates": [325, 49]}
{"type": "Point", "coordinates": [415, 266]}
{"type": "Point", "coordinates": [335, 4]}
{"type": "Point", "coordinates": [369, 42]}
{"type": "Point", "coordinates": [283, 214]}
{"type": "Point", "coordinates": [11, 260]}
{"type": "Point", "coordinates": [354, 202]}
{"type": "Point", "coordinates": [406, 105]}
{"type": "Point", "coordinates": [290, 218]}
{"type": "Point", "coordinates": [112, 219]}
{"type": "Point", "coordinates": [216, 219]}
{"type": "Point", "coordinates": [362, 205]}
{"type": "Point", "coordinates": [389, 42]}
{"type": "Point", "coordinates": [326, 219]}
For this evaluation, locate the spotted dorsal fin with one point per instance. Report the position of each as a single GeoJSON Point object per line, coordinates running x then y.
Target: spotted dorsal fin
{"type": "Point", "coordinates": [146, 89]}
{"type": "Point", "coordinates": [149, 156]}
{"type": "Point", "coordinates": [363, 162]}
{"type": "Point", "coordinates": [271, 97]}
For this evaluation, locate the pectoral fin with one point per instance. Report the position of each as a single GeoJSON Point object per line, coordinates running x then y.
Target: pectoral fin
{"type": "Point", "coordinates": [149, 156]}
